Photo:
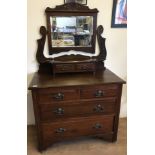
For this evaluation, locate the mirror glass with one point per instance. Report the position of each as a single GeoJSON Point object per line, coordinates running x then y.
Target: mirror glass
{"type": "Point", "coordinates": [72, 31]}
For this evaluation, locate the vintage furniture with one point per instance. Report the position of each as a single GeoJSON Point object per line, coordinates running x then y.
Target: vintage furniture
{"type": "Point", "coordinates": [75, 103]}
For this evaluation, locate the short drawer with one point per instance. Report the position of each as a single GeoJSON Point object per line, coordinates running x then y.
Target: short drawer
{"type": "Point", "coordinates": [91, 92]}
{"type": "Point", "coordinates": [48, 96]}
{"type": "Point", "coordinates": [57, 111]}
{"type": "Point", "coordinates": [77, 127]}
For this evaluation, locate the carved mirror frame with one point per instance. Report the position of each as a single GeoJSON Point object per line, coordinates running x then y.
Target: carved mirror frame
{"type": "Point", "coordinates": [68, 10]}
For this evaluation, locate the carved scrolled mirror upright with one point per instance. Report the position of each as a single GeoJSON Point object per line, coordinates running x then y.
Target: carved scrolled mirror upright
{"type": "Point", "coordinates": [71, 31]}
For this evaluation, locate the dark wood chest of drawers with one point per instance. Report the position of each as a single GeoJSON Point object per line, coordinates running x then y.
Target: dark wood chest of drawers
{"type": "Point", "coordinates": [75, 105]}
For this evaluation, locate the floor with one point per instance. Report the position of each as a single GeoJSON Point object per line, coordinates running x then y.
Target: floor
{"type": "Point", "coordinates": [85, 146]}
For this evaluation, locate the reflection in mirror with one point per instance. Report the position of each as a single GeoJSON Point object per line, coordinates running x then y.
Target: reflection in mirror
{"type": "Point", "coordinates": [74, 31]}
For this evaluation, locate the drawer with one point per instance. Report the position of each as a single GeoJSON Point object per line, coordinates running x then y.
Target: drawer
{"type": "Point", "coordinates": [85, 67]}
{"type": "Point", "coordinates": [77, 127]}
{"type": "Point", "coordinates": [56, 111]}
{"type": "Point", "coordinates": [48, 96]}
{"type": "Point", "coordinates": [91, 92]}
{"type": "Point", "coordinates": [60, 68]}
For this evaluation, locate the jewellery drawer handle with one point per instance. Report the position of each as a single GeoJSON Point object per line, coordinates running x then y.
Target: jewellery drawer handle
{"type": "Point", "coordinates": [60, 130]}
{"type": "Point", "coordinates": [97, 126]}
{"type": "Point", "coordinates": [59, 96]}
{"type": "Point", "coordinates": [59, 111]}
{"type": "Point", "coordinates": [99, 93]}
{"type": "Point", "coordinates": [98, 108]}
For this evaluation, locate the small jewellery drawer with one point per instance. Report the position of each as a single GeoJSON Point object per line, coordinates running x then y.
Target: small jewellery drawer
{"type": "Point", "coordinates": [47, 96]}
{"type": "Point", "coordinates": [98, 91]}
{"type": "Point", "coordinates": [60, 68]}
{"type": "Point", "coordinates": [62, 110]}
{"type": "Point", "coordinates": [77, 127]}
{"type": "Point", "coordinates": [85, 67]}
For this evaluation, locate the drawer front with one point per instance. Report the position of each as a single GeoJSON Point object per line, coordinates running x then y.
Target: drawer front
{"type": "Point", "coordinates": [85, 67]}
{"type": "Point", "coordinates": [91, 92]}
{"type": "Point", "coordinates": [63, 110]}
{"type": "Point", "coordinates": [60, 68]}
{"type": "Point", "coordinates": [77, 127]}
{"type": "Point", "coordinates": [48, 96]}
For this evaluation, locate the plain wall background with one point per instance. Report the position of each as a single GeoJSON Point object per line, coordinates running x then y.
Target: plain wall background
{"type": "Point", "coordinates": [116, 43]}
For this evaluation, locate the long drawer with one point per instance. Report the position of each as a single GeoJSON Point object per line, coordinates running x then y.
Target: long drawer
{"type": "Point", "coordinates": [77, 127]}
{"type": "Point", "coordinates": [63, 110]}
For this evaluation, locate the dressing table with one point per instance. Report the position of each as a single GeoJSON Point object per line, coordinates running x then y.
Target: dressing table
{"type": "Point", "coordinates": [74, 95]}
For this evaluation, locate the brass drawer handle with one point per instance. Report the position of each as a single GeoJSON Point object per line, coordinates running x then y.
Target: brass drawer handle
{"type": "Point", "coordinates": [59, 96]}
{"type": "Point", "coordinates": [98, 108]}
{"type": "Point", "coordinates": [59, 111]}
{"type": "Point", "coordinates": [60, 130]}
{"type": "Point", "coordinates": [99, 93]}
{"type": "Point", "coordinates": [97, 126]}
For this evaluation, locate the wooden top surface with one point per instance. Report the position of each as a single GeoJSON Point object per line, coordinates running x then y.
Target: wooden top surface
{"type": "Point", "coordinates": [74, 79]}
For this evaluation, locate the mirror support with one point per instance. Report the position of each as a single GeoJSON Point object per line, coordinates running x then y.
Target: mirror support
{"type": "Point", "coordinates": [101, 42]}
{"type": "Point", "coordinates": [41, 43]}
